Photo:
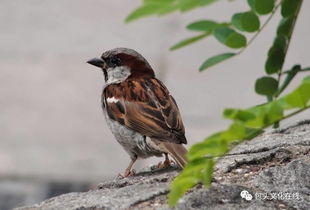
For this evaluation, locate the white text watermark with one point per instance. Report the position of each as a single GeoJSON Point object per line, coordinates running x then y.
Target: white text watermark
{"type": "Point", "coordinates": [270, 196]}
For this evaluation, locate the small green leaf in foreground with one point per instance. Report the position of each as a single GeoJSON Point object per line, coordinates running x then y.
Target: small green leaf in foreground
{"type": "Point", "coordinates": [208, 172]}
{"type": "Point", "coordinates": [188, 41]}
{"type": "Point", "coordinates": [274, 112]}
{"type": "Point", "coordinates": [179, 188]}
{"type": "Point", "coordinates": [215, 60]}
{"type": "Point", "coordinates": [300, 96]}
{"type": "Point", "coordinates": [238, 114]}
{"type": "Point", "coordinates": [185, 180]}
{"type": "Point", "coordinates": [209, 146]}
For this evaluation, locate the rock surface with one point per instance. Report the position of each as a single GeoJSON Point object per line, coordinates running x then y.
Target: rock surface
{"type": "Point", "coordinates": [270, 172]}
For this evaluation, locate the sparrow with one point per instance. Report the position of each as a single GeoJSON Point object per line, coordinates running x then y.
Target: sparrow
{"type": "Point", "coordinates": [139, 110]}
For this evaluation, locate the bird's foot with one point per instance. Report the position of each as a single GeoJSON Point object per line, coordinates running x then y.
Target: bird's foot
{"type": "Point", "coordinates": [127, 173]}
{"type": "Point", "coordinates": [166, 164]}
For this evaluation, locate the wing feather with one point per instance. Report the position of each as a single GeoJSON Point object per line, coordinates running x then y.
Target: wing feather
{"type": "Point", "coordinates": [147, 107]}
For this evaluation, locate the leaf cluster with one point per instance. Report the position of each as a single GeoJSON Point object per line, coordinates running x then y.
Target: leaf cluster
{"type": "Point", "coordinates": [246, 124]}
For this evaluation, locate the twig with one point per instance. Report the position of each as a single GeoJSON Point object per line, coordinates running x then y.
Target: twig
{"type": "Point", "coordinates": [261, 28]}
{"type": "Point", "coordinates": [301, 70]}
{"type": "Point", "coordinates": [289, 40]}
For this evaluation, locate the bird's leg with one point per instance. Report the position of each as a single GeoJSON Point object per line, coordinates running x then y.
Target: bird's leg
{"type": "Point", "coordinates": [128, 171]}
{"type": "Point", "coordinates": [166, 164]}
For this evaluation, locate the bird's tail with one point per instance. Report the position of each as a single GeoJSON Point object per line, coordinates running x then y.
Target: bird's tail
{"type": "Point", "coordinates": [176, 151]}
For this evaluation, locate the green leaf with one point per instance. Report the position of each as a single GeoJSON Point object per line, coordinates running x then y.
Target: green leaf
{"type": "Point", "coordinates": [185, 5]}
{"type": "Point", "coordinates": [215, 60]}
{"type": "Point", "coordinates": [285, 26]}
{"type": "Point", "coordinates": [143, 11]}
{"type": "Point", "coordinates": [239, 131]}
{"type": "Point", "coordinates": [195, 166]}
{"type": "Point", "coordinates": [238, 114]}
{"type": "Point", "coordinates": [209, 147]}
{"type": "Point", "coordinates": [152, 7]}
{"type": "Point", "coordinates": [260, 113]}
{"type": "Point", "coordinates": [261, 7]}
{"type": "Point", "coordinates": [189, 41]}
{"type": "Point", "coordinates": [289, 7]}
{"type": "Point", "coordinates": [306, 80]}
{"type": "Point", "coordinates": [202, 25]}
{"type": "Point", "coordinates": [280, 42]}
{"type": "Point", "coordinates": [266, 114]}
{"type": "Point", "coordinates": [252, 133]}
{"type": "Point", "coordinates": [166, 10]}
{"type": "Point", "coordinates": [267, 86]}
{"type": "Point", "coordinates": [276, 55]}
{"type": "Point", "coordinates": [274, 113]}
{"type": "Point", "coordinates": [148, 2]}
{"type": "Point", "coordinates": [158, 1]}
{"type": "Point", "coordinates": [188, 178]}
{"type": "Point", "coordinates": [207, 173]}
{"type": "Point", "coordinates": [300, 97]}
{"type": "Point", "coordinates": [275, 60]}
{"type": "Point", "coordinates": [162, 7]}
{"type": "Point", "coordinates": [229, 37]}
{"type": "Point", "coordinates": [178, 188]}
{"type": "Point", "coordinates": [235, 131]}
{"type": "Point", "coordinates": [246, 21]}
{"type": "Point", "coordinates": [290, 75]}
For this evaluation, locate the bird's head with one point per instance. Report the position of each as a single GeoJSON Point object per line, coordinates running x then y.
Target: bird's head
{"type": "Point", "coordinates": [120, 64]}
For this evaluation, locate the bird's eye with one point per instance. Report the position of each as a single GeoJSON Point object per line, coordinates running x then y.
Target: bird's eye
{"type": "Point", "coordinates": [115, 61]}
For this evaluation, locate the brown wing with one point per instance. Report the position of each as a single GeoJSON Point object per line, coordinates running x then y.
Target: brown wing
{"type": "Point", "coordinates": [147, 107]}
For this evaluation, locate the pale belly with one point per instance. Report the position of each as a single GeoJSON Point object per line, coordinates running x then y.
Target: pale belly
{"type": "Point", "coordinates": [135, 144]}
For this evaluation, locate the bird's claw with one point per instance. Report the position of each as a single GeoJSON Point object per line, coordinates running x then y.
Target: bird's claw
{"type": "Point", "coordinates": [165, 164]}
{"type": "Point", "coordinates": [127, 174]}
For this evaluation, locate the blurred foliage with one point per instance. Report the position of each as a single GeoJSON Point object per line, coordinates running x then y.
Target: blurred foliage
{"type": "Point", "coordinates": [246, 123]}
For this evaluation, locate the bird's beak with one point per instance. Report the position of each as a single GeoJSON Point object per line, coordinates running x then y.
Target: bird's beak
{"type": "Point", "coordinates": [96, 62]}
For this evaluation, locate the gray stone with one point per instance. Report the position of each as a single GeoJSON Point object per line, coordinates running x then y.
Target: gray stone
{"type": "Point", "coordinates": [292, 181]}
{"type": "Point", "coordinates": [21, 191]}
{"type": "Point", "coordinates": [268, 146]}
{"type": "Point", "coordinates": [269, 172]}
{"type": "Point", "coordinates": [222, 197]}
{"type": "Point", "coordinates": [117, 194]}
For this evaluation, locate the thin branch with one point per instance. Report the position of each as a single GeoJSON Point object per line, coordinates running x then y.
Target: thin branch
{"type": "Point", "coordinates": [301, 70]}
{"type": "Point", "coordinates": [289, 40]}
{"type": "Point", "coordinates": [261, 28]}
{"type": "Point", "coordinates": [266, 126]}
{"type": "Point", "coordinates": [296, 112]}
